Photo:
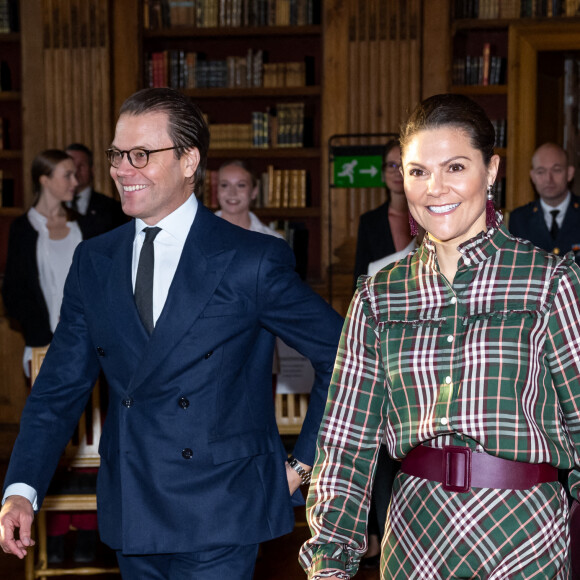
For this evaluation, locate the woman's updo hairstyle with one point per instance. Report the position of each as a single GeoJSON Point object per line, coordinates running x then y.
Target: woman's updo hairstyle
{"type": "Point", "coordinates": [449, 110]}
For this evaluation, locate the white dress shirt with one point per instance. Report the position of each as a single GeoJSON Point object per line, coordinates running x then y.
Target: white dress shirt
{"type": "Point", "coordinates": [168, 245]}
{"type": "Point", "coordinates": [83, 198]}
{"type": "Point", "coordinates": [547, 209]}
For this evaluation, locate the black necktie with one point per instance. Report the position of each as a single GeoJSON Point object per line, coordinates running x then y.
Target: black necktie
{"type": "Point", "coordinates": [144, 280]}
{"type": "Point", "coordinates": [74, 204]}
{"type": "Point", "coordinates": [554, 229]}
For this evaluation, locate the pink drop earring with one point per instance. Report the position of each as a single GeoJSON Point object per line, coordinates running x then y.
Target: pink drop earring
{"type": "Point", "coordinates": [490, 208]}
{"type": "Point", "coordinates": [413, 225]}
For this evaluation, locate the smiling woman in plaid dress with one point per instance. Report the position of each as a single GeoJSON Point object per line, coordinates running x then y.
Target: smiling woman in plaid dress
{"type": "Point", "coordinates": [467, 355]}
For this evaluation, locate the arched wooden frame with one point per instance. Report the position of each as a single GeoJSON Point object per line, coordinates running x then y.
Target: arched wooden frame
{"type": "Point", "coordinates": [525, 41]}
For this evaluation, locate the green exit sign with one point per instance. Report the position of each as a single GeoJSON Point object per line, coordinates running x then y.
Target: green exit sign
{"type": "Point", "coordinates": [358, 166]}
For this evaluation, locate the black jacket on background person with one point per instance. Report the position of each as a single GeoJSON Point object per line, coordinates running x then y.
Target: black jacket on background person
{"type": "Point", "coordinates": [21, 291]}
{"type": "Point", "coordinates": [374, 240]}
{"type": "Point", "coordinates": [528, 222]}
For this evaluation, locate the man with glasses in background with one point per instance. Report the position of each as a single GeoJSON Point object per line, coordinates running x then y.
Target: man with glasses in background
{"type": "Point", "coordinates": [180, 310]}
{"type": "Point", "coordinates": [551, 222]}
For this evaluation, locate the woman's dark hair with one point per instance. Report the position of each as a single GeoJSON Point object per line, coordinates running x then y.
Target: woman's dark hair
{"type": "Point", "coordinates": [186, 126]}
{"type": "Point", "coordinates": [449, 110]}
{"type": "Point", "coordinates": [44, 164]}
{"type": "Point", "coordinates": [244, 165]}
{"type": "Point", "coordinates": [390, 145]}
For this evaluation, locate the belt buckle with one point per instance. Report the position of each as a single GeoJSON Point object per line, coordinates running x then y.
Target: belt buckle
{"type": "Point", "coordinates": [456, 468]}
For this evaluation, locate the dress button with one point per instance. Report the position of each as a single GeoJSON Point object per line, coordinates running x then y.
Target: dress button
{"type": "Point", "coordinates": [184, 403]}
{"type": "Point", "coordinates": [467, 261]}
{"type": "Point", "coordinates": [100, 351]}
{"type": "Point", "coordinates": [448, 380]}
{"type": "Point", "coordinates": [187, 453]}
{"type": "Point", "coordinates": [128, 402]}
{"type": "Point", "coordinates": [444, 421]}
{"type": "Point", "coordinates": [453, 300]}
{"type": "Point", "coordinates": [208, 354]}
{"type": "Point", "coordinates": [449, 338]}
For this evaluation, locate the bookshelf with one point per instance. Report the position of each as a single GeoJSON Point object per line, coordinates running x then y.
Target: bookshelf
{"type": "Point", "coordinates": [479, 71]}
{"type": "Point", "coordinates": [257, 77]}
{"type": "Point", "coordinates": [11, 184]}
{"type": "Point", "coordinates": [515, 31]}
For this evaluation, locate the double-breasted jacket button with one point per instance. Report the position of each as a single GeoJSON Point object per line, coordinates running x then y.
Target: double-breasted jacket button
{"type": "Point", "coordinates": [208, 354]}
{"type": "Point", "coordinates": [100, 351]}
{"type": "Point", "coordinates": [187, 453]}
{"type": "Point", "coordinates": [184, 403]}
{"type": "Point", "coordinates": [128, 402]}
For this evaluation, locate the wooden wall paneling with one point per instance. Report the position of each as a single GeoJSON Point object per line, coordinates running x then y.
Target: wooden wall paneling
{"type": "Point", "coordinates": [384, 79]}
{"type": "Point", "coordinates": [336, 88]}
{"type": "Point", "coordinates": [414, 95]}
{"type": "Point", "coordinates": [525, 41]}
{"type": "Point", "coordinates": [33, 98]}
{"type": "Point", "coordinates": [126, 18]}
{"type": "Point", "coordinates": [102, 114]}
{"type": "Point", "coordinates": [77, 91]}
{"type": "Point", "coordinates": [436, 49]}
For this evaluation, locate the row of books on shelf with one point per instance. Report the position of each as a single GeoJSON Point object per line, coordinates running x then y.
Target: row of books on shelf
{"type": "Point", "coordinates": [228, 13]}
{"type": "Point", "coordinates": [277, 188]}
{"type": "Point", "coordinates": [8, 16]}
{"type": "Point", "coordinates": [479, 70]}
{"type": "Point", "coordinates": [499, 126]}
{"type": "Point", "coordinates": [278, 127]}
{"type": "Point", "coordinates": [6, 190]}
{"type": "Point", "coordinates": [181, 69]}
{"type": "Point", "coordinates": [492, 9]}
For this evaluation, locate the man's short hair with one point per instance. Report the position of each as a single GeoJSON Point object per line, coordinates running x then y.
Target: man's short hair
{"type": "Point", "coordinates": [186, 126]}
{"type": "Point", "coordinates": [83, 149]}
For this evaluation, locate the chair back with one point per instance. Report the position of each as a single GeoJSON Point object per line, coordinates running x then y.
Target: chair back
{"type": "Point", "coordinates": [83, 448]}
{"type": "Point", "coordinates": [290, 412]}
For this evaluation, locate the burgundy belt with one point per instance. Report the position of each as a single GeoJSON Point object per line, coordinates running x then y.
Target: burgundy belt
{"type": "Point", "coordinates": [459, 469]}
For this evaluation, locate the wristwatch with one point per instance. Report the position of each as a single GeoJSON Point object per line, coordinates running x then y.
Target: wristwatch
{"type": "Point", "coordinates": [304, 475]}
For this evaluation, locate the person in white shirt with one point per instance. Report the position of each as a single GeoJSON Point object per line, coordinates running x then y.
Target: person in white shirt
{"type": "Point", "coordinates": [237, 189]}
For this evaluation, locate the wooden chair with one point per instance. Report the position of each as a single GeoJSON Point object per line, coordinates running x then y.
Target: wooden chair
{"type": "Point", "coordinates": [290, 412]}
{"type": "Point", "coordinates": [81, 452]}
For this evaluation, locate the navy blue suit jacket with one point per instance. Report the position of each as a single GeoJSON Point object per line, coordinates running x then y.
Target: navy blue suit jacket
{"type": "Point", "coordinates": [528, 222]}
{"type": "Point", "coordinates": [190, 454]}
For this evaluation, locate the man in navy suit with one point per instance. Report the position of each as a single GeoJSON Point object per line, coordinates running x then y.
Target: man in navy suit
{"type": "Point", "coordinates": [102, 212]}
{"type": "Point", "coordinates": [552, 222]}
{"type": "Point", "coordinates": [193, 472]}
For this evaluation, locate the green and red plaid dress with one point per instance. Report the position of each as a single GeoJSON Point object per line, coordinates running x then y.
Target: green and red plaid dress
{"type": "Point", "coordinates": [492, 362]}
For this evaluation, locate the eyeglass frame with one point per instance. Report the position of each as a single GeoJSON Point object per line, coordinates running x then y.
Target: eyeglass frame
{"type": "Point", "coordinates": [392, 166]}
{"type": "Point", "coordinates": [148, 152]}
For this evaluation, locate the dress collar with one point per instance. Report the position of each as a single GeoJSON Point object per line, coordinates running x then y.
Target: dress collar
{"type": "Point", "coordinates": [475, 250]}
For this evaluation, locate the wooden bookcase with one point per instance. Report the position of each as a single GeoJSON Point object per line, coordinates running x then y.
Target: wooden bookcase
{"type": "Point", "coordinates": [479, 70]}
{"type": "Point", "coordinates": [11, 119]}
{"type": "Point", "coordinates": [226, 105]}
{"type": "Point", "coordinates": [529, 95]}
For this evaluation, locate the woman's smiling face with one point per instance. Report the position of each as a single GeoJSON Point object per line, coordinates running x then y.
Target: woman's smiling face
{"type": "Point", "coordinates": [446, 181]}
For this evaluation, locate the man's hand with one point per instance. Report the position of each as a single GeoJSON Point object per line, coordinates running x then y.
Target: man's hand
{"type": "Point", "coordinates": [294, 480]}
{"type": "Point", "coordinates": [16, 512]}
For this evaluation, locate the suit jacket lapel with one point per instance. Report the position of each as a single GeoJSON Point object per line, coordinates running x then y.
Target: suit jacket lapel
{"type": "Point", "coordinates": [203, 263]}
{"type": "Point", "coordinates": [120, 302]}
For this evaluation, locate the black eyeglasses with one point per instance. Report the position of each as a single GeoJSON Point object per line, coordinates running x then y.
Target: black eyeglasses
{"type": "Point", "coordinates": [391, 166]}
{"type": "Point", "coordinates": [138, 158]}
